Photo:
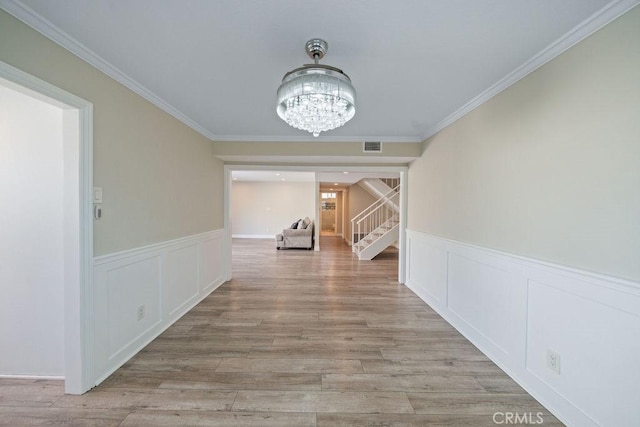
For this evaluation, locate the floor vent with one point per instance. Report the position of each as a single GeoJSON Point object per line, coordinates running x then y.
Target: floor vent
{"type": "Point", "coordinates": [372, 147]}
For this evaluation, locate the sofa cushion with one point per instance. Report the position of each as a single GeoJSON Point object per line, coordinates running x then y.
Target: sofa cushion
{"type": "Point", "coordinates": [306, 222]}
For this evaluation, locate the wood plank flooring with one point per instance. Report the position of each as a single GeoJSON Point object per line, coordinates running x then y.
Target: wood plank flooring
{"type": "Point", "coordinates": [297, 338]}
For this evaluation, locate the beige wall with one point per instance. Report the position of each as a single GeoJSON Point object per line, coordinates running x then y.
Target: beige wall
{"type": "Point", "coordinates": [265, 208]}
{"type": "Point", "coordinates": [159, 177]}
{"type": "Point", "coordinates": [550, 168]}
{"type": "Point", "coordinates": [344, 149]}
{"type": "Point", "coordinates": [359, 200]}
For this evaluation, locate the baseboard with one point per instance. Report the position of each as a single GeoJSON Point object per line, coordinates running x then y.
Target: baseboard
{"type": "Point", "coordinates": [32, 377]}
{"type": "Point", "coordinates": [515, 309]}
{"type": "Point", "coordinates": [253, 236]}
{"type": "Point", "coordinates": [141, 292]}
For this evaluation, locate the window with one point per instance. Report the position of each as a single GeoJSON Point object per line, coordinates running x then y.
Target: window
{"type": "Point", "coordinates": [326, 204]}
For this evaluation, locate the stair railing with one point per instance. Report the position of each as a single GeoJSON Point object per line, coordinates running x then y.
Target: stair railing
{"type": "Point", "coordinates": [373, 218]}
{"type": "Point", "coordinates": [391, 182]}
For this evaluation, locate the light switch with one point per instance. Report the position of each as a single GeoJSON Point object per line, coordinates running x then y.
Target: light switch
{"type": "Point", "coordinates": [97, 194]}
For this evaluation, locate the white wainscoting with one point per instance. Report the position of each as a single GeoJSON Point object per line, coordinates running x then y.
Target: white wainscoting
{"type": "Point", "coordinates": [515, 309]}
{"type": "Point", "coordinates": [164, 280]}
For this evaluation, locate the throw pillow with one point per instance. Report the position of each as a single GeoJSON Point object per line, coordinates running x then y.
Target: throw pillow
{"type": "Point", "coordinates": [295, 225]}
{"type": "Point", "coordinates": [306, 222]}
{"type": "Point", "coordinates": [300, 225]}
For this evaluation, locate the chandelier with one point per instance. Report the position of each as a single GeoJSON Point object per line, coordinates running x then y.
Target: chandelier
{"type": "Point", "coordinates": [316, 97]}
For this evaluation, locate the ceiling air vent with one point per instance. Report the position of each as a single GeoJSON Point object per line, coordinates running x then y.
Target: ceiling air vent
{"type": "Point", "coordinates": [372, 147]}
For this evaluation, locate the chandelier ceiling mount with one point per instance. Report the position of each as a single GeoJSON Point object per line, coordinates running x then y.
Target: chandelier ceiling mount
{"type": "Point", "coordinates": [316, 49]}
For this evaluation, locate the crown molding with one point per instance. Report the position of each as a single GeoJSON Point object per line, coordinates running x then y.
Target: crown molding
{"type": "Point", "coordinates": [359, 139]}
{"type": "Point", "coordinates": [589, 26]}
{"type": "Point", "coordinates": [596, 21]}
{"type": "Point", "coordinates": [49, 30]}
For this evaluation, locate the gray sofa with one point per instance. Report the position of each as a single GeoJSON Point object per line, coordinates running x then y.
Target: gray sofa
{"type": "Point", "coordinates": [300, 237]}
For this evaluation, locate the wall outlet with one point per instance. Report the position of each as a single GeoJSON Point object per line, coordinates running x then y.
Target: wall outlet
{"type": "Point", "coordinates": [553, 361]}
{"type": "Point", "coordinates": [141, 312]}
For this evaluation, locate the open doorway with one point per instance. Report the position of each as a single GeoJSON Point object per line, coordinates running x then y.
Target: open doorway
{"type": "Point", "coordinates": [32, 243]}
{"type": "Point", "coordinates": [329, 212]}
{"type": "Point", "coordinates": [47, 236]}
{"type": "Point", "coordinates": [346, 175]}
{"type": "Point", "coordinates": [359, 204]}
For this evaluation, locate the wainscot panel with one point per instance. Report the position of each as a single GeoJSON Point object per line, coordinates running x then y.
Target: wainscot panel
{"type": "Point", "coordinates": [520, 312]}
{"type": "Point", "coordinates": [181, 284]}
{"type": "Point", "coordinates": [140, 292]}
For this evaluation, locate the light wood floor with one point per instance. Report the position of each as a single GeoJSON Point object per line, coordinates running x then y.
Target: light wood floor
{"type": "Point", "coordinates": [297, 338]}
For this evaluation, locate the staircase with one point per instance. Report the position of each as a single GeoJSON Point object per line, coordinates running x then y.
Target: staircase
{"type": "Point", "coordinates": [378, 226]}
{"type": "Point", "coordinates": [378, 188]}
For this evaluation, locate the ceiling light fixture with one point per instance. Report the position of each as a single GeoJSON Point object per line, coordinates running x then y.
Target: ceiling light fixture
{"type": "Point", "coordinates": [316, 97]}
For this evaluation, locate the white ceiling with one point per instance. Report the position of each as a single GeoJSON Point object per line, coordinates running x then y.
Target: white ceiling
{"type": "Point", "coordinates": [216, 64]}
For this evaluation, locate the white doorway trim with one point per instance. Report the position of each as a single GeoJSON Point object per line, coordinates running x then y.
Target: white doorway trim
{"type": "Point", "coordinates": [78, 225]}
{"type": "Point", "coordinates": [228, 169]}
{"type": "Point", "coordinates": [318, 219]}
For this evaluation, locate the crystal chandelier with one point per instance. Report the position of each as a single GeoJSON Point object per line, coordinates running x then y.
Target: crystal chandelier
{"type": "Point", "coordinates": [316, 97]}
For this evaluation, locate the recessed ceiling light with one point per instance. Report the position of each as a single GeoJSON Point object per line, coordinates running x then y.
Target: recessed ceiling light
{"type": "Point", "coordinates": [283, 179]}
{"type": "Point", "coordinates": [335, 183]}
{"type": "Point", "coordinates": [345, 172]}
{"type": "Point", "coordinates": [277, 174]}
{"type": "Point", "coordinates": [331, 189]}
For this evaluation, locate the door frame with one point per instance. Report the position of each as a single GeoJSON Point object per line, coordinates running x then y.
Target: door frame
{"type": "Point", "coordinates": [78, 239]}
{"type": "Point", "coordinates": [402, 170]}
{"type": "Point", "coordinates": [335, 211]}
